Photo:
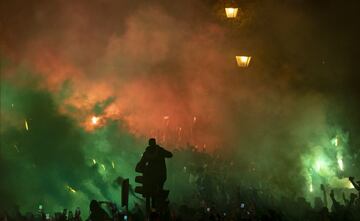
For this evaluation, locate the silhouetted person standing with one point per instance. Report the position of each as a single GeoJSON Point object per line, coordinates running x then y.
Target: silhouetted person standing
{"type": "Point", "coordinates": [77, 215]}
{"type": "Point", "coordinates": [153, 167]}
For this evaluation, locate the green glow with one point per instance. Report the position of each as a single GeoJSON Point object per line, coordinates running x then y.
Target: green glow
{"type": "Point", "coordinates": [321, 166]}
{"type": "Point", "coordinates": [340, 163]}
{"type": "Point", "coordinates": [335, 141]}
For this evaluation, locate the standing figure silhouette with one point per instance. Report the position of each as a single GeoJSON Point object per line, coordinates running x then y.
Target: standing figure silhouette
{"type": "Point", "coordinates": [153, 167]}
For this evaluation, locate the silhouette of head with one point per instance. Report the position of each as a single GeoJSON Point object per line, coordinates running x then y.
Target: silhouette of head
{"type": "Point", "coordinates": [77, 211]}
{"type": "Point", "coordinates": [154, 216]}
{"type": "Point", "coordinates": [70, 214]}
{"type": "Point", "coordinates": [152, 142]}
{"type": "Point", "coordinates": [94, 205]}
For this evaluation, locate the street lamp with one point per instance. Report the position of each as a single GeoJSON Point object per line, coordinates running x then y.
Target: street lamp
{"type": "Point", "coordinates": [243, 61]}
{"type": "Point", "coordinates": [231, 12]}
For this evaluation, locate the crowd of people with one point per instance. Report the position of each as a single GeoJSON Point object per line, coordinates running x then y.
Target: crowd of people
{"type": "Point", "coordinates": [214, 197]}
{"type": "Point", "coordinates": [244, 205]}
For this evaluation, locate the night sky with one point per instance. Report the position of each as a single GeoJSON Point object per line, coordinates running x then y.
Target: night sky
{"type": "Point", "coordinates": [84, 84]}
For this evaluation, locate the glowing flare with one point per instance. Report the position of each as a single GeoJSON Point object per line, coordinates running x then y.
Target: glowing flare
{"type": "Point", "coordinates": [26, 125]}
{"type": "Point", "coordinates": [71, 189]}
{"type": "Point", "coordinates": [243, 61]}
{"type": "Point", "coordinates": [318, 165]}
{"type": "Point", "coordinates": [94, 161]}
{"type": "Point", "coordinates": [103, 166]}
{"type": "Point", "coordinates": [231, 12]}
{"type": "Point", "coordinates": [335, 142]}
{"type": "Point", "coordinates": [340, 163]}
{"type": "Point", "coordinates": [321, 166]}
{"type": "Point", "coordinates": [311, 188]}
{"type": "Point", "coordinates": [94, 120]}
{"type": "Point", "coordinates": [113, 164]}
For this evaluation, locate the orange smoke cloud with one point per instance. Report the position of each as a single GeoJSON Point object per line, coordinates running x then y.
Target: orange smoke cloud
{"type": "Point", "coordinates": [150, 63]}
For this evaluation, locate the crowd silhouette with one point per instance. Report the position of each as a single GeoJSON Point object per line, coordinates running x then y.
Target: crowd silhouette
{"type": "Point", "coordinates": [214, 198]}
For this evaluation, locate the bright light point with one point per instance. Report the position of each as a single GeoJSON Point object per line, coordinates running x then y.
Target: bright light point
{"type": "Point", "coordinates": [166, 117]}
{"type": "Point", "coordinates": [26, 125]}
{"type": "Point", "coordinates": [320, 165]}
{"type": "Point", "coordinates": [94, 161]}
{"type": "Point", "coordinates": [243, 61]}
{"type": "Point", "coordinates": [231, 12]}
{"type": "Point", "coordinates": [311, 188]}
{"type": "Point", "coordinates": [335, 141]}
{"type": "Point", "coordinates": [71, 189]}
{"type": "Point", "coordinates": [113, 164]}
{"type": "Point", "coordinates": [341, 164]}
{"type": "Point", "coordinates": [103, 166]}
{"type": "Point", "coordinates": [94, 120]}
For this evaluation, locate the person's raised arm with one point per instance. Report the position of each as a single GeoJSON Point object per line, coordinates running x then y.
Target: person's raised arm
{"type": "Point", "coordinates": [165, 153]}
{"type": "Point", "coordinates": [335, 203]}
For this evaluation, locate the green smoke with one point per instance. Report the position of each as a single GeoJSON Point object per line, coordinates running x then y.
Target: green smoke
{"type": "Point", "coordinates": [51, 163]}
{"type": "Point", "coordinates": [326, 163]}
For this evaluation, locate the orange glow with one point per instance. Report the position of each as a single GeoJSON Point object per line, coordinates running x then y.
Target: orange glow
{"type": "Point", "coordinates": [136, 103]}
{"type": "Point", "coordinates": [94, 120]}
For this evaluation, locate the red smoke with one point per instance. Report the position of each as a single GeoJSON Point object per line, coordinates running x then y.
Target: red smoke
{"type": "Point", "coordinates": [153, 64]}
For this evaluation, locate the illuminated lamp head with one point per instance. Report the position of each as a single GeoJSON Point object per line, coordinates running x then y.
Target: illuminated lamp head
{"type": "Point", "coordinates": [152, 142]}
